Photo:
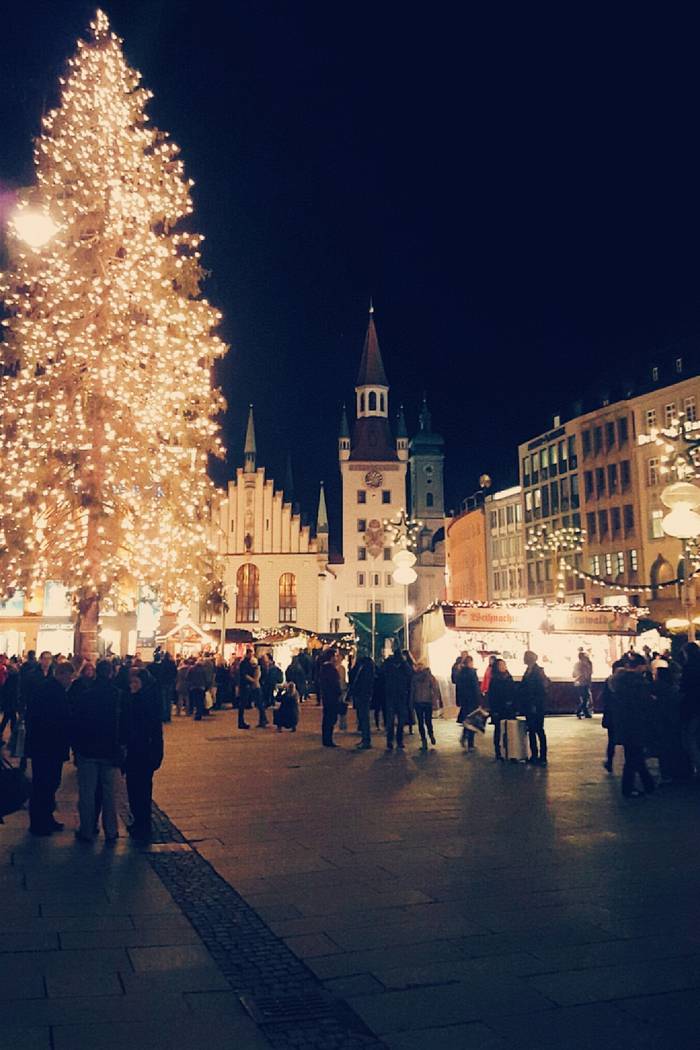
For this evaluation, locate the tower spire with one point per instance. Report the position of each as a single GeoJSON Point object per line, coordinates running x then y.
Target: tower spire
{"type": "Point", "coordinates": [322, 521]}
{"type": "Point", "coordinates": [371, 365]}
{"type": "Point", "coordinates": [249, 452]}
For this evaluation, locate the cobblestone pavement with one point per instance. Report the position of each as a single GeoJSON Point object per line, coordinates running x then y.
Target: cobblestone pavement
{"type": "Point", "coordinates": [450, 901]}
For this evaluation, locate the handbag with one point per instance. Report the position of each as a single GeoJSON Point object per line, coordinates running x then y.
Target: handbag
{"type": "Point", "coordinates": [15, 789]}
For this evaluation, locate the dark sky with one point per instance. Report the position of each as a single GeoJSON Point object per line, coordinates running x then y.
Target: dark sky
{"type": "Point", "coordinates": [517, 188]}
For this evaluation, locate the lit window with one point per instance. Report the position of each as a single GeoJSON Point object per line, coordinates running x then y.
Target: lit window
{"type": "Point", "coordinates": [656, 528]}
{"type": "Point", "coordinates": [288, 598]}
{"type": "Point", "coordinates": [634, 562]}
{"type": "Point", "coordinates": [670, 414]}
{"type": "Point", "coordinates": [608, 564]}
{"type": "Point", "coordinates": [650, 418]}
{"type": "Point", "coordinates": [248, 594]}
{"type": "Point", "coordinates": [690, 409]}
{"type": "Point", "coordinates": [595, 565]}
{"type": "Point", "coordinates": [620, 560]}
{"type": "Point", "coordinates": [653, 471]}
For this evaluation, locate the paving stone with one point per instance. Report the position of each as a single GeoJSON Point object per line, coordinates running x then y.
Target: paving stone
{"type": "Point", "coordinates": [149, 937]}
{"type": "Point", "coordinates": [312, 945]}
{"type": "Point", "coordinates": [29, 941]}
{"type": "Point", "coordinates": [599, 1027]}
{"type": "Point", "coordinates": [159, 1035]}
{"type": "Point", "coordinates": [475, 1036]}
{"type": "Point", "coordinates": [619, 982]}
{"type": "Point", "coordinates": [81, 984]}
{"type": "Point", "coordinates": [156, 983]}
{"type": "Point", "coordinates": [98, 1009]}
{"type": "Point", "coordinates": [12, 1038]}
{"type": "Point", "coordinates": [358, 984]}
{"type": "Point", "coordinates": [167, 959]}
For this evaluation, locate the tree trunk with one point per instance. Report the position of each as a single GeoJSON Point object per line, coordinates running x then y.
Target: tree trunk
{"type": "Point", "coordinates": [87, 626]}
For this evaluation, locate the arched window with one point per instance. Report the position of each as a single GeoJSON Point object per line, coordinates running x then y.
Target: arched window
{"type": "Point", "coordinates": [248, 594]}
{"type": "Point", "coordinates": [288, 598]}
{"type": "Point", "coordinates": [372, 401]}
{"type": "Point", "coordinates": [428, 499]}
{"type": "Point", "coordinates": [382, 403]}
{"type": "Point", "coordinates": [362, 402]}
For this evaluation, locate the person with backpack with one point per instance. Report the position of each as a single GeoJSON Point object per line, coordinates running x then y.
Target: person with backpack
{"type": "Point", "coordinates": [532, 700]}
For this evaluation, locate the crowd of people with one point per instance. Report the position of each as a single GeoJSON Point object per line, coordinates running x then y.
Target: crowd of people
{"type": "Point", "coordinates": [108, 715]}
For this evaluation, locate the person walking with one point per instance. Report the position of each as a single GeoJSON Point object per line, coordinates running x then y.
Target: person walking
{"type": "Point", "coordinates": [254, 692]}
{"type": "Point", "coordinates": [182, 690]}
{"type": "Point", "coordinates": [197, 685]}
{"type": "Point", "coordinates": [360, 691]}
{"type": "Point", "coordinates": [141, 736]}
{"type": "Point", "coordinates": [502, 702]}
{"type": "Point", "coordinates": [396, 674]}
{"type": "Point", "coordinates": [329, 686]}
{"type": "Point", "coordinates": [246, 675]}
{"type": "Point", "coordinates": [95, 741]}
{"type": "Point", "coordinates": [583, 676]}
{"type": "Point", "coordinates": [425, 698]}
{"type": "Point", "coordinates": [467, 694]}
{"type": "Point", "coordinates": [632, 718]}
{"type": "Point", "coordinates": [47, 743]}
{"type": "Point", "coordinates": [532, 700]}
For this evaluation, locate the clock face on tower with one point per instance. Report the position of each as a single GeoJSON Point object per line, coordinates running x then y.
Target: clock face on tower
{"type": "Point", "coordinates": [373, 478]}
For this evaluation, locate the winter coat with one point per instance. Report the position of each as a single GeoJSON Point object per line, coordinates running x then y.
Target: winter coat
{"type": "Point", "coordinates": [141, 729]}
{"type": "Point", "coordinates": [196, 677]}
{"type": "Point", "coordinates": [397, 683]}
{"type": "Point", "coordinates": [9, 694]}
{"type": "Point", "coordinates": [95, 723]}
{"type": "Point", "coordinates": [631, 708]}
{"type": "Point", "coordinates": [468, 693]}
{"type": "Point", "coordinates": [181, 686]}
{"type": "Point", "coordinates": [502, 697]}
{"type": "Point", "coordinates": [690, 693]}
{"type": "Point", "coordinates": [329, 684]}
{"type": "Point", "coordinates": [48, 722]}
{"type": "Point", "coordinates": [532, 693]}
{"type": "Point", "coordinates": [362, 681]}
{"type": "Point", "coordinates": [296, 673]}
{"type": "Point", "coordinates": [287, 714]}
{"type": "Point", "coordinates": [607, 700]}
{"type": "Point", "coordinates": [425, 689]}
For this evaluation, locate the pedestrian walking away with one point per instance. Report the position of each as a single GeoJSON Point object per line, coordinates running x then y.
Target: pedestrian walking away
{"type": "Point", "coordinates": [502, 702]}
{"type": "Point", "coordinates": [424, 699]}
{"type": "Point", "coordinates": [141, 736]}
{"type": "Point", "coordinates": [48, 738]}
{"type": "Point", "coordinates": [95, 733]}
{"type": "Point", "coordinates": [467, 695]}
{"type": "Point", "coordinates": [361, 691]}
{"type": "Point", "coordinates": [396, 674]}
{"type": "Point", "coordinates": [532, 700]}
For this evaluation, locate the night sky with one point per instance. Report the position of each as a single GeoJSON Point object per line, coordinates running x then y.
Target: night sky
{"type": "Point", "coordinates": [517, 189]}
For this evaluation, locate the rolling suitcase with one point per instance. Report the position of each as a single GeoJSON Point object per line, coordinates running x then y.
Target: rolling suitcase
{"type": "Point", "coordinates": [516, 739]}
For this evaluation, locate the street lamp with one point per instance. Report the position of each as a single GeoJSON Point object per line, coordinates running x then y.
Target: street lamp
{"type": "Point", "coordinates": [34, 226]}
{"type": "Point", "coordinates": [683, 523]}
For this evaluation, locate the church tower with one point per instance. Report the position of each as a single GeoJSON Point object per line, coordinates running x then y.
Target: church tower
{"type": "Point", "coordinates": [249, 452]}
{"type": "Point", "coordinates": [427, 457]}
{"type": "Point", "coordinates": [373, 470]}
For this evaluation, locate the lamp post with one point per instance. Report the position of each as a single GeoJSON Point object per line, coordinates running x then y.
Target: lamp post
{"type": "Point", "coordinates": [404, 533]}
{"type": "Point", "coordinates": [683, 523]}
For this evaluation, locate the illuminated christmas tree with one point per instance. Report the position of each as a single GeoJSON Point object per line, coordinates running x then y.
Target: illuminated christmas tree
{"type": "Point", "coordinates": [107, 409]}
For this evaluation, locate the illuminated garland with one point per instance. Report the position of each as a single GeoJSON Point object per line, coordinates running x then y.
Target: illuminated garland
{"type": "Point", "coordinates": [632, 589]}
{"type": "Point", "coordinates": [566, 606]}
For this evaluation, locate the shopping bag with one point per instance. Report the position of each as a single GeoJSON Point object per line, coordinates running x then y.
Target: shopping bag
{"type": "Point", "coordinates": [15, 789]}
{"type": "Point", "coordinates": [208, 700]}
{"type": "Point", "coordinates": [516, 739]}
{"type": "Point", "coordinates": [476, 720]}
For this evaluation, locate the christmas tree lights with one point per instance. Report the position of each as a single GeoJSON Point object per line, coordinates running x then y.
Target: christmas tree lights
{"type": "Point", "coordinates": [107, 409]}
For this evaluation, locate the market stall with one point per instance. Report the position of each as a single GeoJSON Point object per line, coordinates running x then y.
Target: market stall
{"type": "Point", "coordinates": [554, 632]}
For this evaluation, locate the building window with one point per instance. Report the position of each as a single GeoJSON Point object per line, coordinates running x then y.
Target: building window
{"type": "Point", "coordinates": [362, 402]}
{"type": "Point", "coordinates": [600, 481]}
{"type": "Point", "coordinates": [554, 497]}
{"type": "Point", "coordinates": [575, 501]}
{"type": "Point", "coordinates": [518, 513]}
{"type": "Point", "coordinates": [653, 471]}
{"type": "Point", "coordinates": [288, 598]}
{"type": "Point", "coordinates": [563, 465]}
{"type": "Point", "coordinates": [386, 496]}
{"type": "Point", "coordinates": [634, 561]}
{"type": "Point", "coordinates": [248, 594]}
{"type": "Point", "coordinates": [650, 418]}
{"type": "Point", "coordinates": [376, 579]}
{"type": "Point", "coordinates": [628, 517]}
{"type": "Point", "coordinates": [387, 554]}
{"type": "Point", "coordinates": [670, 414]}
{"type": "Point", "coordinates": [608, 565]}
{"type": "Point", "coordinates": [360, 579]}
{"type": "Point", "coordinates": [620, 560]}
{"type": "Point", "coordinates": [389, 579]}
{"type": "Point", "coordinates": [564, 493]}
{"type": "Point", "coordinates": [428, 499]}
{"type": "Point", "coordinates": [553, 458]}
{"type": "Point", "coordinates": [622, 431]}
{"type": "Point", "coordinates": [381, 403]}
{"type": "Point", "coordinates": [362, 525]}
{"type": "Point", "coordinates": [598, 440]}
{"type": "Point", "coordinates": [496, 581]}
{"type": "Point", "coordinates": [572, 453]}
{"type": "Point", "coordinates": [586, 442]}
{"type": "Point", "coordinates": [526, 470]}
{"type": "Point", "coordinates": [603, 523]}
{"type": "Point", "coordinates": [361, 496]}
{"type": "Point", "coordinates": [679, 364]}
{"type": "Point", "coordinates": [612, 478]}
{"type": "Point", "coordinates": [595, 565]}
{"type": "Point", "coordinates": [590, 524]}
{"type": "Point", "coordinates": [510, 514]}
{"type": "Point", "coordinates": [372, 401]}
{"type": "Point", "coordinates": [689, 409]}
{"type": "Point", "coordinates": [655, 374]}
{"type": "Point", "coordinates": [493, 518]}
{"type": "Point", "coordinates": [625, 476]}
{"type": "Point", "coordinates": [588, 484]}
{"type": "Point", "coordinates": [362, 554]}
{"type": "Point", "coordinates": [615, 521]}
{"type": "Point", "coordinates": [609, 435]}
{"type": "Point", "coordinates": [377, 606]}
{"type": "Point", "coordinates": [656, 529]}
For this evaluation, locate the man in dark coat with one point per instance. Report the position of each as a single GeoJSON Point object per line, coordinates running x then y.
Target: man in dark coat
{"type": "Point", "coordinates": [197, 684]}
{"type": "Point", "coordinates": [532, 699]}
{"type": "Point", "coordinates": [467, 694]}
{"type": "Point", "coordinates": [360, 692]}
{"type": "Point", "coordinates": [48, 737]}
{"type": "Point", "coordinates": [141, 735]}
{"type": "Point", "coordinates": [95, 740]}
{"type": "Point", "coordinates": [330, 688]}
{"type": "Point", "coordinates": [631, 718]}
{"type": "Point", "coordinates": [396, 673]}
